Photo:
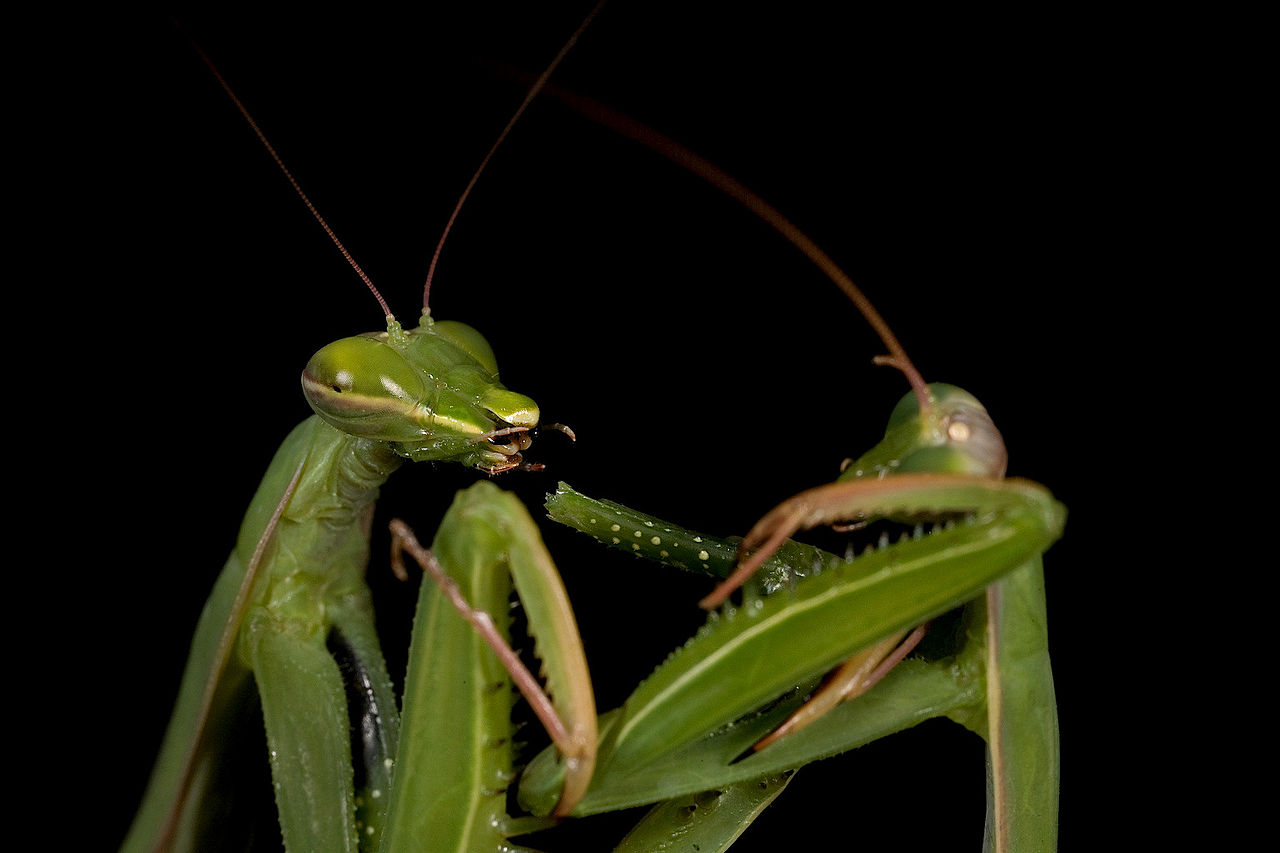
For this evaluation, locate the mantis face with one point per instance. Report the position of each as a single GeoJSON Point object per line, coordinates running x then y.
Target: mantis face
{"type": "Point", "coordinates": [432, 393]}
{"type": "Point", "coordinates": [956, 436]}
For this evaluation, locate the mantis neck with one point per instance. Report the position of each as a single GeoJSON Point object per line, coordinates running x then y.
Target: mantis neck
{"type": "Point", "coordinates": [327, 518]}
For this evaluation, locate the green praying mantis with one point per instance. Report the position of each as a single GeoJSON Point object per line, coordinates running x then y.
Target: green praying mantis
{"type": "Point", "coordinates": [724, 446]}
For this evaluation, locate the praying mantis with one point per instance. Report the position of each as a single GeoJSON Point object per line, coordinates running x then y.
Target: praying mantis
{"type": "Point", "coordinates": [710, 419]}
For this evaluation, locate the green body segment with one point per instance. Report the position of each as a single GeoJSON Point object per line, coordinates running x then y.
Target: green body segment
{"type": "Point", "coordinates": [1022, 716]}
{"type": "Point", "coordinates": [314, 561]}
{"type": "Point", "coordinates": [314, 586]}
{"type": "Point", "coordinates": [624, 529]}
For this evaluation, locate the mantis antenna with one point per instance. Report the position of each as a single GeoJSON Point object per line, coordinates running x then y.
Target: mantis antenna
{"type": "Point", "coordinates": [726, 183]}
{"type": "Point", "coordinates": [537, 87]}
{"type": "Point", "coordinates": [262, 137]}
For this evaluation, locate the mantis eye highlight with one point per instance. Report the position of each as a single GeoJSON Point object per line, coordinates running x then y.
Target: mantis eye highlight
{"type": "Point", "coordinates": [970, 432]}
{"type": "Point", "coordinates": [343, 382]}
{"type": "Point", "coordinates": [958, 430]}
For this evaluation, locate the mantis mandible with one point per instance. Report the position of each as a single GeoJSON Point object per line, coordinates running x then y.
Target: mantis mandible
{"type": "Point", "coordinates": [710, 419]}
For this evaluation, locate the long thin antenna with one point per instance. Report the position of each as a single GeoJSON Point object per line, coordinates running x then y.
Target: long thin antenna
{"type": "Point", "coordinates": [713, 174]}
{"type": "Point", "coordinates": [262, 137]}
{"type": "Point", "coordinates": [528, 98]}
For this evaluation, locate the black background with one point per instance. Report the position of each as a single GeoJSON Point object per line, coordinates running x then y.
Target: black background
{"type": "Point", "coordinates": [952, 163]}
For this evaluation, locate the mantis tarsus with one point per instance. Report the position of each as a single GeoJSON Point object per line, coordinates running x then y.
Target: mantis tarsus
{"type": "Point", "coordinates": [714, 427]}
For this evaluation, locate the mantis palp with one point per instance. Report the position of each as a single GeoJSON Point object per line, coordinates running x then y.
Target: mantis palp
{"type": "Point", "coordinates": [709, 420]}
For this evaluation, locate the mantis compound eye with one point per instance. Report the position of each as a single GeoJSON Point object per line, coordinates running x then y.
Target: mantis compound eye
{"type": "Point", "coordinates": [344, 382]}
{"type": "Point", "coordinates": [363, 387]}
{"type": "Point", "coordinates": [958, 431]}
{"type": "Point", "coordinates": [958, 436]}
{"type": "Point", "coordinates": [955, 435]}
{"type": "Point", "coordinates": [972, 435]}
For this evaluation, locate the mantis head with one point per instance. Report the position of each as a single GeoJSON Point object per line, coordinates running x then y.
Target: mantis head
{"type": "Point", "coordinates": [432, 393]}
{"type": "Point", "coordinates": [955, 435]}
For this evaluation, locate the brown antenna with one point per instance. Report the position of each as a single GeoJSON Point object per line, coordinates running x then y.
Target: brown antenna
{"type": "Point", "coordinates": [528, 98]}
{"type": "Point", "coordinates": [716, 176]}
{"type": "Point", "coordinates": [226, 87]}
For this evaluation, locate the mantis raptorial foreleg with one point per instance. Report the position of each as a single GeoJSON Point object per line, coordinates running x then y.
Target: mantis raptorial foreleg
{"type": "Point", "coordinates": [488, 530]}
{"type": "Point", "coordinates": [457, 694]}
{"type": "Point", "coordinates": [751, 655]}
